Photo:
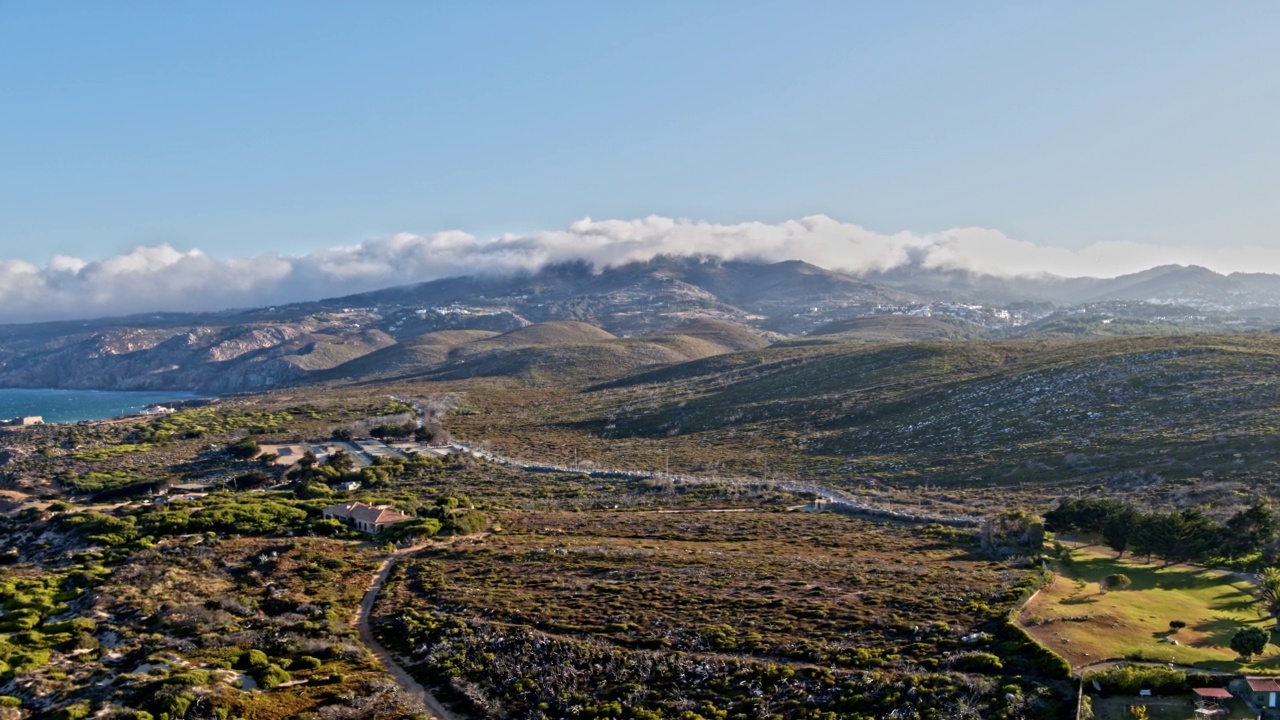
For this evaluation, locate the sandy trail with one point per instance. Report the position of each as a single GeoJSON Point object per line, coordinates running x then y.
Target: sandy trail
{"type": "Point", "coordinates": [402, 677]}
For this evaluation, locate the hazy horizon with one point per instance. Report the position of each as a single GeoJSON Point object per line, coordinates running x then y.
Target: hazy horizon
{"type": "Point", "coordinates": [162, 278]}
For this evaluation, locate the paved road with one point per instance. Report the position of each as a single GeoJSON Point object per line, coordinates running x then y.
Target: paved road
{"type": "Point", "coordinates": [402, 677]}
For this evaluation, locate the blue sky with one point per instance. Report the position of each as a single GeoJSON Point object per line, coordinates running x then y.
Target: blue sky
{"type": "Point", "coordinates": [240, 128]}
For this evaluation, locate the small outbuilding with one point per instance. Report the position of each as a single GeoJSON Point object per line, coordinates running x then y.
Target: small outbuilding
{"type": "Point", "coordinates": [1265, 692]}
{"type": "Point", "coordinates": [346, 486]}
{"type": "Point", "coordinates": [1210, 702]}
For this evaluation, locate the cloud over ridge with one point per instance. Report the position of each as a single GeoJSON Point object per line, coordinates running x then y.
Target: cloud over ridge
{"type": "Point", "coordinates": [162, 278]}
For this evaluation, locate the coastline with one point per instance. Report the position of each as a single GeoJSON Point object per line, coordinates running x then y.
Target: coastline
{"type": "Point", "coordinates": [67, 406]}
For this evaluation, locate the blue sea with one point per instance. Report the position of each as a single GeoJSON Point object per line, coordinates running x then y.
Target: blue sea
{"type": "Point", "coordinates": [68, 406]}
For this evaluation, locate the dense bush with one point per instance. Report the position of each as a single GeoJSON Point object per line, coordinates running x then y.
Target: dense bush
{"type": "Point", "coordinates": [1117, 581]}
{"type": "Point", "coordinates": [418, 528]}
{"type": "Point", "coordinates": [978, 662]}
{"type": "Point", "coordinates": [245, 448]}
{"type": "Point", "coordinates": [74, 712]}
{"type": "Point", "coordinates": [394, 430]}
{"type": "Point", "coordinates": [307, 662]}
{"type": "Point", "coordinates": [1132, 678]}
{"type": "Point", "coordinates": [191, 678]}
{"type": "Point", "coordinates": [1040, 660]}
{"type": "Point", "coordinates": [467, 522]}
{"type": "Point", "coordinates": [238, 514]}
{"type": "Point", "coordinates": [271, 676]}
{"type": "Point", "coordinates": [250, 659]}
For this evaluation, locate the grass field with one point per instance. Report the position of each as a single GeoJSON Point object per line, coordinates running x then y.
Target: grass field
{"type": "Point", "coordinates": [1075, 618]}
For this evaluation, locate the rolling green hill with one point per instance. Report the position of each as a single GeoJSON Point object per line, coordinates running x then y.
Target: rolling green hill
{"type": "Point", "coordinates": [424, 351]}
{"type": "Point", "coordinates": [549, 333]}
{"type": "Point", "coordinates": [561, 352]}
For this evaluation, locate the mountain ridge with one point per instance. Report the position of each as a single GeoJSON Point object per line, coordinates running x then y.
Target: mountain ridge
{"type": "Point", "coordinates": [261, 348]}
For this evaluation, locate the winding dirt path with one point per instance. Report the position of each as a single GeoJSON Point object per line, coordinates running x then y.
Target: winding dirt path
{"type": "Point", "coordinates": [401, 676]}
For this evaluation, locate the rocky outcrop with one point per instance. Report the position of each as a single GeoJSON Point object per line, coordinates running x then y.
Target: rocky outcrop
{"type": "Point", "coordinates": [226, 359]}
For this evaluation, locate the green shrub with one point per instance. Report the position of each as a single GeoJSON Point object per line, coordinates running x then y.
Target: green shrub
{"type": "Point", "coordinates": [245, 448]}
{"type": "Point", "coordinates": [1043, 661]}
{"type": "Point", "coordinates": [19, 620]}
{"type": "Point", "coordinates": [465, 523]}
{"type": "Point", "coordinates": [250, 659]}
{"type": "Point", "coordinates": [81, 641]}
{"type": "Point", "coordinates": [327, 527]}
{"type": "Point", "coordinates": [1129, 680]}
{"type": "Point", "coordinates": [71, 626]}
{"type": "Point", "coordinates": [173, 706]}
{"type": "Point", "coordinates": [307, 662]}
{"type": "Point", "coordinates": [271, 676]}
{"type": "Point", "coordinates": [1118, 581]}
{"type": "Point", "coordinates": [1205, 680]}
{"type": "Point", "coordinates": [74, 712]}
{"type": "Point", "coordinates": [977, 662]}
{"type": "Point", "coordinates": [24, 662]}
{"type": "Point", "coordinates": [421, 527]}
{"type": "Point", "coordinates": [10, 701]}
{"type": "Point", "coordinates": [191, 678]}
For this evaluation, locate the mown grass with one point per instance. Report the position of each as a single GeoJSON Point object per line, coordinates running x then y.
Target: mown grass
{"type": "Point", "coordinates": [1073, 617]}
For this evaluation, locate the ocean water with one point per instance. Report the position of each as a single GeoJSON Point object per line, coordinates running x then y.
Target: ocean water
{"type": "Point", "coordinates": [68, 406]}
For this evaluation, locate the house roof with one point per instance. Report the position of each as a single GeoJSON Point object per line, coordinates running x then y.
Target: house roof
{"type": "Point", "coordinates": [377, 515]}
{"type": "Point", "coordinates": [363, 512]}
{"type": "Point", "coordinates": [1215, 693]}
{"type": "Point", "coordinates": [1263, 684]}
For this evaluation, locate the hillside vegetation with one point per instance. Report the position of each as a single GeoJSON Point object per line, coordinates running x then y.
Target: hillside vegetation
{"type": "Point", "coordinates": [564, 352]}
{"type": "Point", "coordinates": [960, 412]}
{"type": "Point", "coordinates": [605, 614]}
{"type": "Point", "coordinates": [897, 328]}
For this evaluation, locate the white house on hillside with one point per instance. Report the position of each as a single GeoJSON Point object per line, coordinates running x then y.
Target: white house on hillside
{"type": "Point", "coordinates": [364, 517]}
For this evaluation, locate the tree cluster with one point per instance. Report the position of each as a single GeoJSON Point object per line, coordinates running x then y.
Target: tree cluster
{"type": "Point", "coordinates": [1181, 536]}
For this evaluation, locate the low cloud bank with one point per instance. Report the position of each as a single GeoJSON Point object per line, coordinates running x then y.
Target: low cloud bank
{"type": "Point", "coordinates": [161, 278]}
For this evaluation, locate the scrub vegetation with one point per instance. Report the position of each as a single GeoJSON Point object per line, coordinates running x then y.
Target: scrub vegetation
{"type": "Point", "coordinates": [717, 614]}
{"type": "Point", "coordinates": [670, 564]}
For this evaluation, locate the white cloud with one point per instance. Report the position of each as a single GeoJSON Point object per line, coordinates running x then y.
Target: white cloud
{"type": "Point", "coordinates": [162, 278]}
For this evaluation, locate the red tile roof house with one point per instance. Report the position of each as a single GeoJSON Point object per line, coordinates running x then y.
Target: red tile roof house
{"type": "Point", "coordinates": [365, 517]}
{"type": "Point", "coordinates": [1264, 690]}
